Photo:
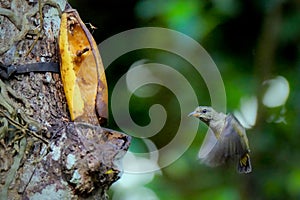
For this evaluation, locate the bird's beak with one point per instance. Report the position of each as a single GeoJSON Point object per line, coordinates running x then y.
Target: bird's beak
{"type": "Point", "coordinates": [194, 114]}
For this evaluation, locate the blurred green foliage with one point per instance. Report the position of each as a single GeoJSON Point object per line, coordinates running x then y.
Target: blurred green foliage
{"type": "Point", "coordinates": [250, 42]}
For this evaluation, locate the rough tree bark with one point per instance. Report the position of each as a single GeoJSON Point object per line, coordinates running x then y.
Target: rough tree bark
{"type": "Point", "coordinates": [42, 154]}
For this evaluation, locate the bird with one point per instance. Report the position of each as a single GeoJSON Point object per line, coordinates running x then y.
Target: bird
{"type": "Point", "coordinates": [226, 139]}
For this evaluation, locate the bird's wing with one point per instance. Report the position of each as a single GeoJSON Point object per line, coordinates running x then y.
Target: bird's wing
{"type": "Point", "coordinates": [208, 143]}
{"type": "Point", "coordinates": [234, 135]}
{"type": "Point", "coordinates": [211, 151]}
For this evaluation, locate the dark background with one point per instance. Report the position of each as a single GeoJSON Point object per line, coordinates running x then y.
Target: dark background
{"type": "Point", "coordinates": [250, 42]}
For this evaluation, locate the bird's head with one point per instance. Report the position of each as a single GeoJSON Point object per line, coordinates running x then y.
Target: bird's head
{"type": "Point", "coordinates": [204, 113]}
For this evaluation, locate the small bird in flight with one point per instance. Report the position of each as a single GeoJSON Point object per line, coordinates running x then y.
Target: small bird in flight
{"type": "Point", "coordinates": [226, 139]}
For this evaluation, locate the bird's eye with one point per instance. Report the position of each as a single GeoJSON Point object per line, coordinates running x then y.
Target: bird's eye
{"type": "Point", "coordinates": [204, 111]}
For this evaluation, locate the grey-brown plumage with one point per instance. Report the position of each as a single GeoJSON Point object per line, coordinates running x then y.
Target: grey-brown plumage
{"type": "Point", "coordinates": [226, 139]}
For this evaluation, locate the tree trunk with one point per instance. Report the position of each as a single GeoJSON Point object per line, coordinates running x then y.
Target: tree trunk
{"type": "Point", "coordinates": [43, 155]}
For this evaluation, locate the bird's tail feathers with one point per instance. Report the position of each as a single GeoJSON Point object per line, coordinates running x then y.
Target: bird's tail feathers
{"type": "Point", "coordinates": [244, 165]}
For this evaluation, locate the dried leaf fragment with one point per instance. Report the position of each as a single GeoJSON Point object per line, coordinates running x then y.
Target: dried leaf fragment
{"type": "Point", "coordinates": [82, 71]}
